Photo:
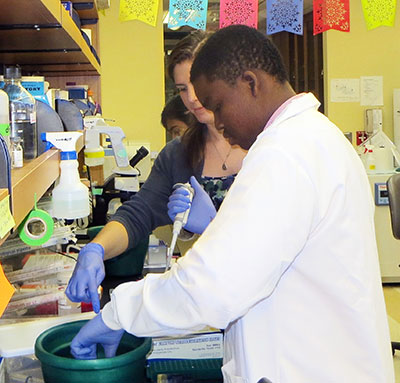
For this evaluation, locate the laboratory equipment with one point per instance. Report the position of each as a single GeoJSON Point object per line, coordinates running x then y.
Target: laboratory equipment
{"type": "Point", "coordinates": [70, 197]}
{"type": "Point", "coordinates": [385, 152]}
{"type": "Point", "coordinates": [5, 167]}
{"type": "Point", "coordinates": [370, 160]}
{"type": "Point", "coordinates": [47, 120]}
{"type": "Point", "coordinates": [179, 222]}
{"type": "Point", "coordinates": [52, 348]}
{"type": "Point", "coordinates": [70, 114]}
{"type": "Point", "coordinates": [4, 117]}
{"type": "Point", "coordinates": [185, 370]}
{"type": "Point", "coordinates": [393, 193]}
{"type": "Point", "coordinates": [373, 120]}
{"type": "Point", "coordinates": [388, 246]}
{"type": "Point", "coordinates": [22, 112]}
{"type": "Point", "coordinates": [124, 178]}
{"type": "Point", "coordinates": [396, 116]}
{"type": "Point", "coordinates": [17, 153]}
{"type": "Point", "coordinates": [94, 152]}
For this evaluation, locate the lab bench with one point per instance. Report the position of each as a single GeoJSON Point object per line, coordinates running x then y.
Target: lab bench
{"type": "Point", "coordinates": [27, 369]}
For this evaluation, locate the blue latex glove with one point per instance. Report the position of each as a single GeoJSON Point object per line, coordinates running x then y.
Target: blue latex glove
{"type": "Point", "coordinates": [87, 276]}
{"type": "Point", "coordinates": [202, 210]}
{"type": "Point", "coordinates": [84, 345]}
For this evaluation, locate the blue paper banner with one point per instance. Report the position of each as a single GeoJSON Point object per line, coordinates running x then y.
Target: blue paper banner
{"type": "Point", "coordinates": [188, 12]}
{"type": "Point", "coordinates": [285, 15]}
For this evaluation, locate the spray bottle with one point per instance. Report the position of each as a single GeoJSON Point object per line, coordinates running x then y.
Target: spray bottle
{"type": "Point", "coordinates": [70, 195]}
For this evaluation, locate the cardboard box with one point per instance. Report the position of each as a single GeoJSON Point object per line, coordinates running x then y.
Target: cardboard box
{"type": "Point", "coordinates": [195, 346]}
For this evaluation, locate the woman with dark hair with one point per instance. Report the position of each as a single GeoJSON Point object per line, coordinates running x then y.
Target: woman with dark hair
{"type": "Point", "coordinates": [175, 117]}
{"type": "Point", "coordinates": [214, 160]}
{"type": "Point", "coordinates": [201, 152]}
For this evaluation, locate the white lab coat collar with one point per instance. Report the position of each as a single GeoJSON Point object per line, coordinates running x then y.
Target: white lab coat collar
{"type": "Point", "coordinates": [295, 105]}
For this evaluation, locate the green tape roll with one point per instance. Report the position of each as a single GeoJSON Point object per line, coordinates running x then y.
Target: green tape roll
{"type": "Point", "coordinates": [36, 219]}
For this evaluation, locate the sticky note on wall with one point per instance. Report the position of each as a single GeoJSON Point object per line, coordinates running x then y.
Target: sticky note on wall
{"type": "Point", "coordinates": [7, 291]}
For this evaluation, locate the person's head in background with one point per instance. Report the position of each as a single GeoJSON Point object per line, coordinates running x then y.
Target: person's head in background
{"type": "Point", "coordinates": [175, 117]}
{"type": "Point", "coordinates": [179, 64]}
{"type": "Point", "coordinates": [239, 75]}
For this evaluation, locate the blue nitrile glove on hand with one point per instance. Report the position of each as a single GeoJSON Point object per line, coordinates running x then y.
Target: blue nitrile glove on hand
{"type": "Point", "coordinates": [202, 210]}
{"type": "Point", "coordinates": [87, 276]}
{"type": "Point", "coordinates": [84, 345]}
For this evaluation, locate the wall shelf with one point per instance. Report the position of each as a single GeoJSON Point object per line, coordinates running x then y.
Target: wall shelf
{"type": "Point", "coordinates": [86, 14]}
{"type": "Point", "coordinates": [41, 37]}
{"type": "Point", "coordinates": [35, 177]}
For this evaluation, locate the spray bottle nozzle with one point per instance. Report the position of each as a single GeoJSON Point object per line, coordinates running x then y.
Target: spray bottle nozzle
{"type": "Point", "coordinates": [65, 141]}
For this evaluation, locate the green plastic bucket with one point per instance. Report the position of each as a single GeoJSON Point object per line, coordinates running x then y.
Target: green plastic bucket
{"type": "Point", "coordinates": [52, 348]}
{"type": "Point", "coordinates": [127, 264]}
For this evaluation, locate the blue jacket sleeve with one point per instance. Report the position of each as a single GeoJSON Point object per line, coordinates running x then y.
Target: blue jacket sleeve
{"type": "Point", "coordinates": [147, 209]}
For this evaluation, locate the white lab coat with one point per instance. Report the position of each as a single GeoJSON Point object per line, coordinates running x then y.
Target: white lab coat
{"type": "Point", "coordinates": [289, 266]}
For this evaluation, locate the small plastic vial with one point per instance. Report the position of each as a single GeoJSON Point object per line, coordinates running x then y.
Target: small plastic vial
{"type": "Point", "coordinates": [17, 153]}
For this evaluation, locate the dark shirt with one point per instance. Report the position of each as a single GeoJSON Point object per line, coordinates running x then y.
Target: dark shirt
{"type": "Point", "coordinates": [147, 209]}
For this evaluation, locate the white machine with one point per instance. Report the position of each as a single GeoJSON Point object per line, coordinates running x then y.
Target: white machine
{"type": "Point", "coordinates": [388, 246]}
{"type": "Point", "coordinates": [125, 176]}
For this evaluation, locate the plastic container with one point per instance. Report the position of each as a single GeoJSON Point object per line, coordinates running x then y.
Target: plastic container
{"type": "Point", "coordinates": [5, 118]}
{"type": "Point", "coordinates": [22, 112]}
{"type": "Point", "coordinates": [370, 161]}
{"type": "Point", "coordinates": [70, 197]}
{"type": "Point", "coordinates": [52, 348]}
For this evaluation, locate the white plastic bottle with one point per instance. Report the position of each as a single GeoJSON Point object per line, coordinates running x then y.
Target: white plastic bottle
{"type": "Point", "coordinates": [370, 161]}
{"type": "Point", "coordinates": [70, 196]}
{"type": "Point", "coordinates": [5, 118]}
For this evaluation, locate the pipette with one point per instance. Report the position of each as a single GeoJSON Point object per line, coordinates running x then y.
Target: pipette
{"type": "Point", "coordinates": [179, 221]}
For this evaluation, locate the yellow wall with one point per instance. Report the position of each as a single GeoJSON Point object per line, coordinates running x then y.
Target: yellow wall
{"type": "Point", "coordinates": [362, 53]}
{"type": "Point", "coordinates": [132, 76]}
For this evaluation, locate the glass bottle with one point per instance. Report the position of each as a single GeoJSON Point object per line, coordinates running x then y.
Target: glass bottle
{"type": "Point", "coordinates": [22, 112]}
{"type": "Point", "coordinates": [17, 153]}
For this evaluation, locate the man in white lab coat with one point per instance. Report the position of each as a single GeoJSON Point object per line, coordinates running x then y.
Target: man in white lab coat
{"type": "Point", "coordinates": [289, 266]}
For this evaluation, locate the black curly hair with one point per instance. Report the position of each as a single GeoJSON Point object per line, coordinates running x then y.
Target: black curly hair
{"type": "Point", "coordinates": [232, 50]}
{"type": "Point", "coordinates": [176, 109]}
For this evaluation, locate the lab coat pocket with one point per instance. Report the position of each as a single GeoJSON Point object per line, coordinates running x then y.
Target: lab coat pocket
{"type": "Point", "coordinates": [229, 377]}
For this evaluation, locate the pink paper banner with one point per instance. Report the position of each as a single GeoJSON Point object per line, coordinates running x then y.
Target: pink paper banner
{"type": "Point", "coordinates": [238, 12]}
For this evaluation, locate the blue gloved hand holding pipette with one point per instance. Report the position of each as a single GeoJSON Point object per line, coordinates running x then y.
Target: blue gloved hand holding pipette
{"type": "Point", "coordinates": [202, 210]}
{"type": "Point", "coordinates": [88, 274]}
